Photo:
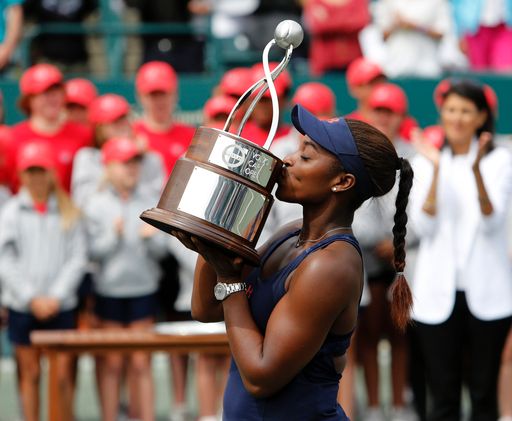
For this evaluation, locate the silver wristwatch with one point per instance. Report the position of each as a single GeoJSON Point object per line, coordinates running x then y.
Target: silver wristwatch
{"type": "Point", "coordinates": [222, 290]}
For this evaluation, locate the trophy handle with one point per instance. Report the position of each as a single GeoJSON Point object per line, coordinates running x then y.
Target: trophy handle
{"type": "Point", "coordinates": [288, 35]}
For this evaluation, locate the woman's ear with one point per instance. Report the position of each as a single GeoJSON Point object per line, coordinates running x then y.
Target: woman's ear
{"type": "Point", "coordinates": [343, 182]}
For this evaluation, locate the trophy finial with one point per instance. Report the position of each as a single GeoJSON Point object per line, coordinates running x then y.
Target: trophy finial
{"type": "Point", "coordinates": [287, 33]}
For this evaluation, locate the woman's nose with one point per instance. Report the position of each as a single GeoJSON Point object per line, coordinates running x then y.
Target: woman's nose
{"type": "Point", "coordinates": [288, 160]}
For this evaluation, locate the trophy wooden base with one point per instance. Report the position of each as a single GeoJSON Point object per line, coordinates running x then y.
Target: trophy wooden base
{"type": "Point", "coordinates": [169, 221]}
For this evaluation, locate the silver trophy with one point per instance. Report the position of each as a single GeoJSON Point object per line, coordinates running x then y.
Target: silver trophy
{"type": "Point", "coordinates": [221, 190]}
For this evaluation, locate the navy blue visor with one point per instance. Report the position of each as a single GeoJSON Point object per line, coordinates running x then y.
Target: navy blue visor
{"type": "Point", "coordinates": [335, 136]}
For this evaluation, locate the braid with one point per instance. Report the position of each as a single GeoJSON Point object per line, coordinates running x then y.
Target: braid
{"type": "Point", "coordinates": [400, 291]}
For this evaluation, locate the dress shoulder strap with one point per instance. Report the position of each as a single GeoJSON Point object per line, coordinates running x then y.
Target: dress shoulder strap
{"type": "Point", "coordinates": [276, 244]}
{"type": "Point", "coordinates": [348, 238]}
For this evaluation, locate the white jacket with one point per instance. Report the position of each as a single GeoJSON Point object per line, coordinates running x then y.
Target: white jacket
{"type": "Point", "coordinates": [486, 269]}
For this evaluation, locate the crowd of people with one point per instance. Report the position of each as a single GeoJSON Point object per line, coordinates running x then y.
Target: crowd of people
{"type": "Point", "coordinates": [412, 38]}
{"type": "Point", "coordinates": [79, 170]}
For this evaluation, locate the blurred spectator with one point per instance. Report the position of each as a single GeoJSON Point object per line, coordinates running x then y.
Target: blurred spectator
{"type": "Point", "coordinates": [66, 50]}
{"type": "Point", "coordinates": [43, 100]}
{"type": "Point", "coordinates": [228, 16]}
{"type": "Point", "coordinates": [234, 83]}
{"type": "Point", "coordinates": [362, 76]}
{"type": "Point", "coordinates": [485, 31]}
{"type": "Point", "coordinates": [258, 127]}
{"type": "Point", "coordinates": [185, 52]}
{"type": "Point", "coordinates": [216, 111]}
{"type": "Point", "coordinates": [318, 99]}
{"type": "Point", "coordinates": [462, 290]}
{"type": "Point", "coordinates": [42, 261]}
{"type": "Point", "coordinates": [156, 83]}
{"type": "Point", "coordinates": [127, 251]}
{"type": "Point", "coordinates": [334, 37]}
{"type": "Point", "coordinates": [79, 95]}
{"type": "Point", "coordinates": [259, 27]}
{"type": "Point", "coordinates": [11, 26]}
{"type": "Point", "coordinates": [412, 31]}
{"type": "Point", "coordinates": [109, 117]}
{"type": "Point", "coordinates": [373, 223]}
{"type": "Point", "coordinates": [157, 89]}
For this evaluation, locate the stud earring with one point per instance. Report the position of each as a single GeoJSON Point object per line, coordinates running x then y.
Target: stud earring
{"type": "Point", "coordinates": [334, 189]}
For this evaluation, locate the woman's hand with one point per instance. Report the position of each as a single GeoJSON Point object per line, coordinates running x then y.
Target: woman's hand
{"type": "Point", "coordinates": [227, 267]}
{"type": "Point", "coordinates": [484, 143]}
{"type": "Point", "coordinates": [424, 147]}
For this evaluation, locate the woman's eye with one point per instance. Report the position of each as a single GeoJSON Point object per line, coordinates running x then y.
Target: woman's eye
{"type": "Point", "coordinates": [304, 158]}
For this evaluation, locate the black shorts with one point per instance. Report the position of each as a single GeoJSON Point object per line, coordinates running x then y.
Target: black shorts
{"type": "Point", "coordinates": [20, 324]}
{"type": "Point", "coordinates": [127, 309]}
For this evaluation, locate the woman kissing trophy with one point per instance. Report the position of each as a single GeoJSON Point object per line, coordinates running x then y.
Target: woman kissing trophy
{"type": "Point", "coordinates": [221, 189]}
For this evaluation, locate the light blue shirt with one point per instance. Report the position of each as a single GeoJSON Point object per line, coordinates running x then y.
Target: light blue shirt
{"type": "Point", "coordinates": [467, 14]}
{"type": "Point", "coordinates": [4, 6]}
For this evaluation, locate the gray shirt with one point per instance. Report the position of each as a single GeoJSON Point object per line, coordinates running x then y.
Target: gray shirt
{"type": "Point", "coordinates": [128, 264]}
{"type": "Point", "coordinates": [37, 256]}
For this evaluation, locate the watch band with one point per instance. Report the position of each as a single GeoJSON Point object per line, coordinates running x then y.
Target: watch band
{"type": "Point", "coordinates": [236, 287]}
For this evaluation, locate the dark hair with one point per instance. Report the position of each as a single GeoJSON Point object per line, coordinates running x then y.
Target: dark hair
{"type": "Point", "coordinates": [381, 161]}
{"type": "Point", "coordinates": [474, 92]}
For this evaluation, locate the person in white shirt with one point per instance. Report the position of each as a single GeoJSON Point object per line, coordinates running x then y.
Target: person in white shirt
{"type": "Point", "coordinates": [412, 31]}
{"type": "Point", "coordinates": [461, 285]}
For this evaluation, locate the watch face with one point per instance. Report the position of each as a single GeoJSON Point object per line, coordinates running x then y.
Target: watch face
{"type": "Point", "coordinates": [220, 291]}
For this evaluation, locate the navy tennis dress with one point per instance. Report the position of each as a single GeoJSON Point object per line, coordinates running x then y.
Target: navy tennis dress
{"type": "Point", "coordinates": [312, 394]}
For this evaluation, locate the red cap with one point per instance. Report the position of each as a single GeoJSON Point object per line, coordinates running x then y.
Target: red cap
{"type": "Point", "coordinates": [236, 81]}
{"type": "Point", "coordinates": [39, 78]}
{"type": "Point", "coordinates": [80, 91]}
{"type": "Point", "coordinates": [221, 104]}
{"type": "Point", "coordinates": [156, 76]}
{"type": "Point", "coordinates": [434, 135]}
{"type": "Point", "coordinates": [119, 149]}
{"type": "Point", "coordinates": [491, 97]}
{"type": "Point", "coordinates": [388, 95]}
{"type": "Point", "coordinates": [316, 97]}
{"type": "Point", "coordinates": [440, 91]}
{"type": "Point", "coordinates": [36, 154]}
{"type": "Point", "coordinates": [108, 108]}
{"type": "Point", "coordinates": [283, 82]}
{"type": "Point", "coordinates": [362, 71]}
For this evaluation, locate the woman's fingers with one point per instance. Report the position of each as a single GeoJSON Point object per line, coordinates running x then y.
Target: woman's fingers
{"type": "Point", "coordinates": [185, 239]}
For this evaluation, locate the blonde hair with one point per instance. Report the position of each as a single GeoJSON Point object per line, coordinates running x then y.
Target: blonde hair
{"type": "Point", "coordinates": [70, 214]}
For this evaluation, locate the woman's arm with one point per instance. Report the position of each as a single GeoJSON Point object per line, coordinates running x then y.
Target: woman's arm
{"type": "Point", "coordinates": [205, 307]}
{"type": "Point", "coordinates": [14, 21]}
{"type": "Point", "coordinates": [318, 293]}
{"type": "Point", "coordinates": [486, 207]}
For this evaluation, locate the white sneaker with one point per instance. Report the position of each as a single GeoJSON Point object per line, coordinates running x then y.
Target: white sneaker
{"type": "Point", "coordinates": [403, 414]}
{"type": "Point", "coordinates": [374, 414]}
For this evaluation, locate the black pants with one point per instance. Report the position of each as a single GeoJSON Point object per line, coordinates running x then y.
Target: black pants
{"type": "Point", "coordinates": [462, 349]}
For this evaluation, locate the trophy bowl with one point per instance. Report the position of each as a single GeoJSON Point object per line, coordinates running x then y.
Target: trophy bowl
{"type": "Point", "coordinates": [220, 191]}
